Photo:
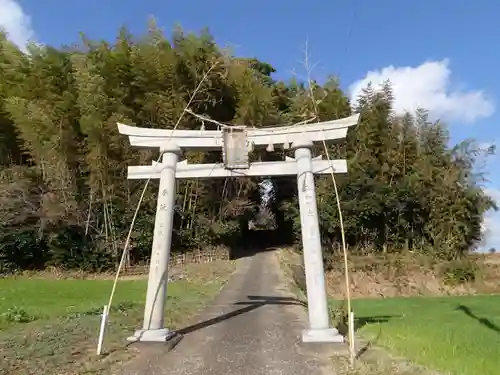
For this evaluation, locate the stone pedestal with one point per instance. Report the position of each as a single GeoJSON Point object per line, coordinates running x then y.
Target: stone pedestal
{"type": "Point", "coordinates": [152, 335]}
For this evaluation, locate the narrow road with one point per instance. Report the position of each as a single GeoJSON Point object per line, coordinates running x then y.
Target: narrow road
{"type": "Point", "coordinates": [253, 327]}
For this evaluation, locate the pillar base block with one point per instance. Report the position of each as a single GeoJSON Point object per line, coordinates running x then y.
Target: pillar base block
{"type": "Point", "coordinates": [153, 335]}
{"type": "Point", "coordinates": [322, 335]}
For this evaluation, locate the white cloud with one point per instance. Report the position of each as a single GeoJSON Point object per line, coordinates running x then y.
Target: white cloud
{"type": "Point", "coordinates": [487, 145]}
{"type": "Point", "coordinates": [491, 223]}
{"type": "Point", "coordinates": [16, 22]}
{"type": "Point", "coordinates": [491, 226]}
{"type": "Point", "coordinates": [494, 193]}
{"type": "Point", "coordinates": [429, 86]}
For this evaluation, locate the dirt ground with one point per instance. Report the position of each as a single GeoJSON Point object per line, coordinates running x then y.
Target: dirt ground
{"type": "Point", "coordinates": [66, 343]}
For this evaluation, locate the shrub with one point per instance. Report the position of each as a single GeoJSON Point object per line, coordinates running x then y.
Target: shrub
{"type": "Point", "coordinates": [17, 315]}
{"type": "Point", "coordinates": [340, 317]}
{"type": "Point", "coordinates": [459, 271]}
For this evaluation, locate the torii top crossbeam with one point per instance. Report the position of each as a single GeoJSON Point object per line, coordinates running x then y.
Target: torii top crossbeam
{"type": "Point", "coordinates": [212, 139]}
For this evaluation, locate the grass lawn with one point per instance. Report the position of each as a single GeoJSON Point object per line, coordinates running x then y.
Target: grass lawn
{"type": "Point", "coordinates": [455, 335]}
{"type": "Point", "coordinates": [51, 326]}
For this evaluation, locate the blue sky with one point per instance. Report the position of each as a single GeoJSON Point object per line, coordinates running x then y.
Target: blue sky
{"type": "Point", "coordinates": [442, 55]}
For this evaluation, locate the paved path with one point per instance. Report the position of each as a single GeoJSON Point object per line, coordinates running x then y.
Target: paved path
{"type": "Point", "coordinates": [252, 328]}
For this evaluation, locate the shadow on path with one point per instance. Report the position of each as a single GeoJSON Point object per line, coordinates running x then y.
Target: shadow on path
{"type": "Point", "coordinates": [485, 322]}
{"type": "Point", "coordinates": [368, 345]}
{"type": "Point", "coordinates": [363, 321]}
{"type": "Point", "coordinates": [254, 302]}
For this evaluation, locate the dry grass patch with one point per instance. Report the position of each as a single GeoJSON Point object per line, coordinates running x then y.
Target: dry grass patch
{"type": "Point", "coordinates": [393, 275]}
{"type": "Point", "coordinates": [372, 360]}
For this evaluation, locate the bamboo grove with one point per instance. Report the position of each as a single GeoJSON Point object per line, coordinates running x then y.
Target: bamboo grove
{"type": "Point", "coordinates": [65, 200]}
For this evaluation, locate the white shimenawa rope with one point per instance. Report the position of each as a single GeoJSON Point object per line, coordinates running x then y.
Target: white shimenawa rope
{"type": "Point", "coordinates": [226, 125]}
{"type": "Point", "coordinates": [127, 242]}
{"type": "Point", "coordinates": [344, 247]}
{"type": "Point", "coordinates": [107, 307]}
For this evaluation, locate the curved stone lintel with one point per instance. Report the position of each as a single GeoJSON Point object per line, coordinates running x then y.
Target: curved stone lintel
{"type": "Point", "coordinates": [212, 139]}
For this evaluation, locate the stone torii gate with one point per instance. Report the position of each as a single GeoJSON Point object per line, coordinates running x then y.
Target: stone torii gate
{"type": "Point", "coordinates": [236, 142]}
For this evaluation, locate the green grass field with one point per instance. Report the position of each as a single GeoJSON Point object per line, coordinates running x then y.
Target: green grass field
{"type": "Point", "coordinates": [51, 326]}
{"type": "Point", "coordinates": [43, 299]}
{"type": "Point", "coordinates": [455, 335]}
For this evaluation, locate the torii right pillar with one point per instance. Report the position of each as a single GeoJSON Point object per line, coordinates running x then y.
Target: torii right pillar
{"type": "Point", "coordinates": [319, 324]}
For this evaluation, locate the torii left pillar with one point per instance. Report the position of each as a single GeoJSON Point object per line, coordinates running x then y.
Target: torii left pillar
{"type": "Point", "coordinates": [153, 329]}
